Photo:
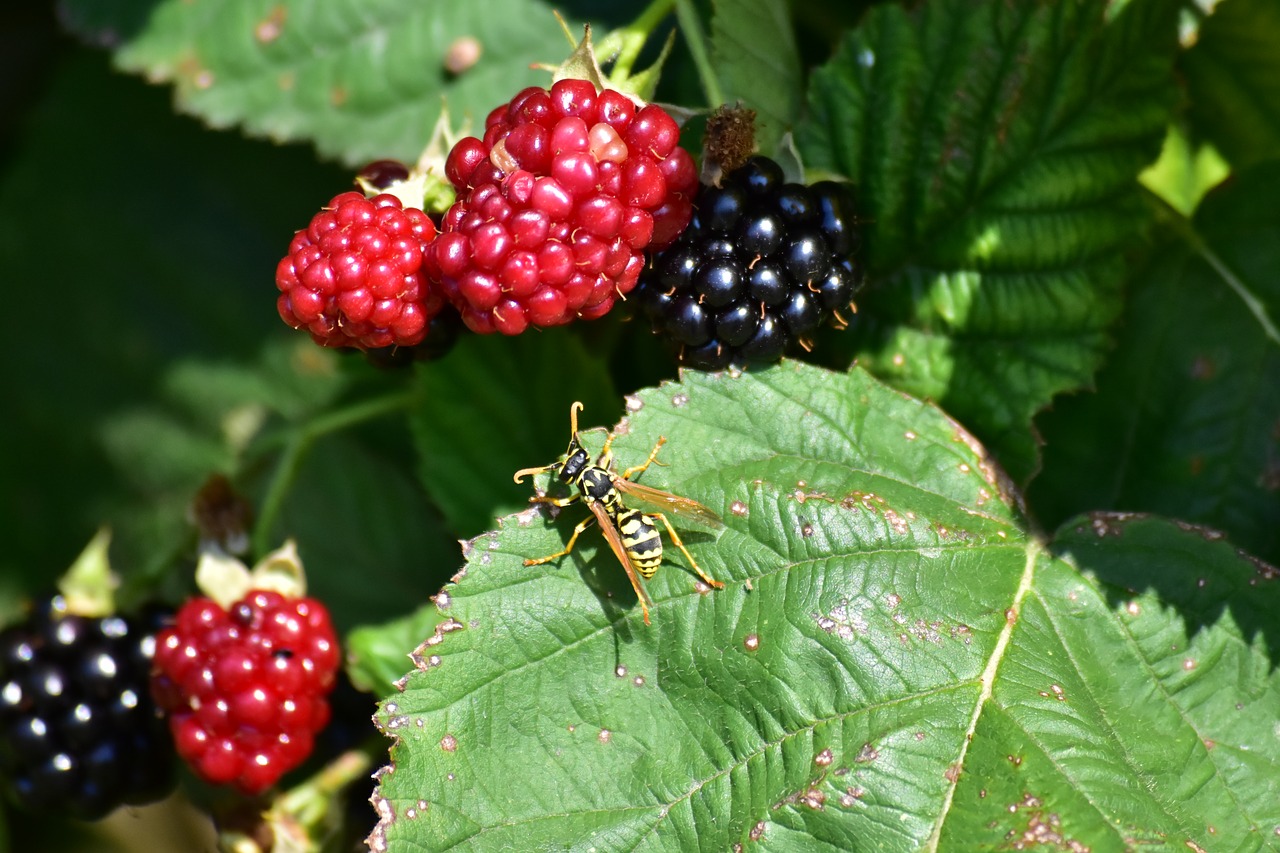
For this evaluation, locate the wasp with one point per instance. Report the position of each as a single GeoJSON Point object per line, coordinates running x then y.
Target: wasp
{"type": "Point", "coordinates": [632, 535]}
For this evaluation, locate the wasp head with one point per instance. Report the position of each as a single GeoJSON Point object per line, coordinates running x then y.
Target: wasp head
{"type": "Point", "coordinates": [576, 458]}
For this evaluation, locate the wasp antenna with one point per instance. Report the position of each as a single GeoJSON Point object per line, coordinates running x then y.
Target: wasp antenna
{"type": "Point", "coordinates": [573, 418]}
{"type": "Point", "coordinates": [529, 472]}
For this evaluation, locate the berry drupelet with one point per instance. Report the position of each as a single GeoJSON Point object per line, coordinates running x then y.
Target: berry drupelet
{"type": "Point", "coordinates": [80, 732]}
{"type": "Point", "coordinates": [762, 264]}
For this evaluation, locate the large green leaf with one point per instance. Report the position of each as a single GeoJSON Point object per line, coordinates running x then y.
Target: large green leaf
{"type": "Point", "coordinates": [363, 79]}
{"type": "Point", "coordinates": [1184, 419]}
{"type": "Point", "coordinates": [894, 662]}
{"type": "Point", "coordinates": [1232, 75]}
{"type": "Point", "coordinates": [996, 147]}
{"type": "Point", "coordinates": [756, 61]}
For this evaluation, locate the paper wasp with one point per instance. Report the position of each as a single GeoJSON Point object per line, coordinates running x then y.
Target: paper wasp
{"type": "Point", "coordinates": [631, 534]}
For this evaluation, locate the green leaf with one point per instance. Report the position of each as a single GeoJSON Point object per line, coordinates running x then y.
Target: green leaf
{"type": "Point", "coordinates": [1133, 704]}
{"type": "Point", "coordinates": [363, 80]}
{"type": "Point", "coordinates": [894, 662]}
{"type": "Point", "coordinates": [754, 54]}
{"type": "Point", "coordinates": [373, 545]}
{"type": "Point", "coordinates": [156, 452]}
{"type": "Point", "coordinates": [1185, 171]}
{"type": "Point", "coordinates": [872, 559]}
{"type": "Point", "coordinates": [177, 265]}
{"type": "Point", "coordinates": [496, 405]}
{"type": "Point", "coordinates": [996, 147]}
{"type": "Point", "coordinates": [1232, 75]}
{"type": "Point", "coordinates": [1184, 421]}
{"type": "Point", "coordinates": [376, 657]}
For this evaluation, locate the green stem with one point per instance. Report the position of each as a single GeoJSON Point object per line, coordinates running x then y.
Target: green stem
{"type": "Point", "coordinates": [625, 43]}
{"type": "Point", "coordinates": [1187, 231]}
{"type": "Point", "coordinates": [309, 801]}
{"type": "Point", "coordinates": [295, 451]}
{"type": "Point", "coordinates": [691, 27]}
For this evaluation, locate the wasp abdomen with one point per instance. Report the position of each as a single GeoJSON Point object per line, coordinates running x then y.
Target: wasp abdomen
{"type": "Point", "coordinates": [641, 540]}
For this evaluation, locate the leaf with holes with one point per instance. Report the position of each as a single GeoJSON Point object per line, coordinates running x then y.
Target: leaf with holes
{"type": "Point", "coordinates": [895, 662]}
{"type": "Point", "coordinates": [996, 147]}
{"type": "Point", "coordinates": [363, 80]}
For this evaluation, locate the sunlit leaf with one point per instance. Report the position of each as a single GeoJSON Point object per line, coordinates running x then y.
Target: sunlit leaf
{"type": "Point", "coordinates": [996, 148]}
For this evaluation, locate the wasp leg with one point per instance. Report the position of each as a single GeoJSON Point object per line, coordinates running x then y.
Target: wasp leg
{"type": "Point", "coordinates": [577, 531]}
{"type": "Point", "coordinates": [675, 537]}
{"type": "Point", "coordinates": [653, 457]}
{"type": "Point", "coordinates": [547, 499]}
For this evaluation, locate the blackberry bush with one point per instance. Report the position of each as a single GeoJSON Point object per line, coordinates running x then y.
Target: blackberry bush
{"type": "Point", "coordinates": [761, 266]}
{"type": "Point", "coordinates": [80, 733]}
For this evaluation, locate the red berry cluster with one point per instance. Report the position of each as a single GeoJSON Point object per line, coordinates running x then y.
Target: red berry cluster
{"type": "Point", "coordinates": [556, 205]}
{"type": "Point", "coordinates": [355, 276]}
{"type": "Point", "coordinates": [246, 688]}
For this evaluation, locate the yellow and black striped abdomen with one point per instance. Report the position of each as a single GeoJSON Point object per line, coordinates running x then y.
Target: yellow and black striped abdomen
{"type": "Point", "coordinates": [641, 540]}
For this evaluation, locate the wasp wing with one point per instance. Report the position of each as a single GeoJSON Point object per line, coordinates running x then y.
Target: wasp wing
{"type": "Point", "coordinates": [610, 531]}
{"type": "Point", "coordinates": [686, 508]}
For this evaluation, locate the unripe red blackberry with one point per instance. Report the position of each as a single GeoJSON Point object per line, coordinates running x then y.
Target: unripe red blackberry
{"type": "Point", "coordinates": [557, 204]}
{"type": "Point", "coordinates": [79, 732]}
{"type": "Point", "coordinates": [355, 276]}
{"type": "Point", "coordinates": [442, 334]}
{"type": "Point", "coordinates": [762, 264]}
{"type": "Point", "coordinates": [245, 687]}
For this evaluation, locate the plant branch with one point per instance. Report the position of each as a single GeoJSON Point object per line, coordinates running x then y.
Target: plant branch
{"type": "Point", "coordinates": [295, 451]}
{"type": "Point", "coordinates": [1186, 229]}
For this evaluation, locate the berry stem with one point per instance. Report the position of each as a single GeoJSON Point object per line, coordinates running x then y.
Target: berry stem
{"type": "Point", "coordinates": [625, 43]}
{"type": "Point", "coordinates": [697, 41]}
{"type": "Point", "coordinates": [311, 803]}
{"type": "Point", "coordinates": [295, 450]}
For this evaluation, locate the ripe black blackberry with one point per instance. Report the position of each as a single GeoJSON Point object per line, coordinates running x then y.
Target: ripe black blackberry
{"type": "Point", "coordinates": [762, 265]}
{"type": "Point", "coordinates": [79, 731]}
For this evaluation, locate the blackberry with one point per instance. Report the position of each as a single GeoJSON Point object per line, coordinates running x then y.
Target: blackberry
{"type": "Point", "coordinates": [355, 277]}
{"type": "Point", "coordinates": [761, 266]}
{"type": "Point", "coordinates": [557, 204]}
{"type": "Point", "coordinates": [246, 686]}
{"type": "Point", "coordinates": [80, 731]}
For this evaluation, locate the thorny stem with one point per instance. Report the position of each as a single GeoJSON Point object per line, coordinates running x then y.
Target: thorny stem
{"type": "Point", "coordinates": [295, 450]}
{"type": "Point", "coordinates": [625, 43]}
{"type": "Point", "coordinates": [691, 28]}
{"type": "Point", "coordinates": [1188, 232]}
